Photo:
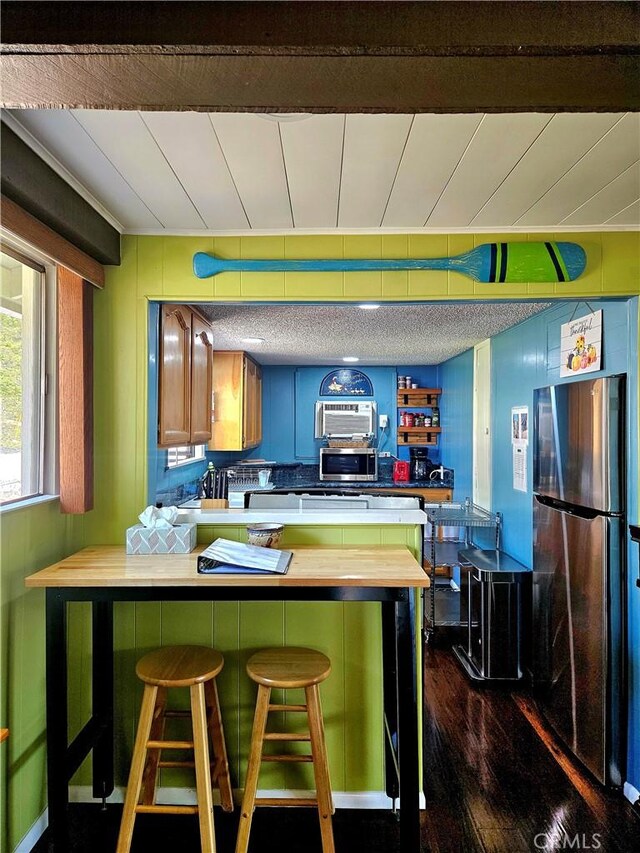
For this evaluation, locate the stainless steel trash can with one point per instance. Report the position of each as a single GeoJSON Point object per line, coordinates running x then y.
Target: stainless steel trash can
{"type": "Point", "coordinates": [491, 602]}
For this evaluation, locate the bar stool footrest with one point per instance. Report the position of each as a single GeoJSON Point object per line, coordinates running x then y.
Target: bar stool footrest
{"type": "Point", "coordinates": [169, 744]}
{"type": "Point", "coordinates": [286, 736]}
{"type": "Point", "coordinates": [287, 801]}
{"type": "Point", "coordinates": [166, 809]}
{"type": "Point", "coordinates": [292, 758]}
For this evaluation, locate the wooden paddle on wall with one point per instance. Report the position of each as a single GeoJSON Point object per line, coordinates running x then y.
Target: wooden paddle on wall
{"type": "Point", "coordinates": [501, 262]}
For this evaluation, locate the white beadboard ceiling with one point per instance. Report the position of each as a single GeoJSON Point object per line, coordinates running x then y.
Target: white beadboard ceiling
{"type": "Point", "coordinates": [156, 172]}
{"type": "Point", "coordinates": [393, 334]}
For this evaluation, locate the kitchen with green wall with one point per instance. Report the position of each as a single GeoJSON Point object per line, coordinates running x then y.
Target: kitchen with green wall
{"type": "Point", "coordinates": [159, 268]}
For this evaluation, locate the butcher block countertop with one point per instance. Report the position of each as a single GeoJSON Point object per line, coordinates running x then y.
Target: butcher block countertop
{"type": "Point", "coordinates": [108, 565]}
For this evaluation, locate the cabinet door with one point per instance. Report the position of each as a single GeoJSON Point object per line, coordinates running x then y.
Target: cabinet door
{"type": "Point", "coordinates": [174, 404]}
{"type": "Point", "coordinates": [252, 404]}
{"type": "Point", "coordinates": [201, 374]}
{"type": "Point", "coordinates": [228, 388]}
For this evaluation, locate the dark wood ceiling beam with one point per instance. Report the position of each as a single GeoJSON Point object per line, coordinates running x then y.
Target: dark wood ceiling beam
{"type": "Point", "coordinates": [446, 28]}
{"type": "Point", "coordinates": [323, 84]}
{"type": "Point", "coordinates": [323, 57]}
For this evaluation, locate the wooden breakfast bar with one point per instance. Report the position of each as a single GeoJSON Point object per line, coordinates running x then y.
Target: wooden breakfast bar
{"type": "Point", "coordinates": [103, 575]}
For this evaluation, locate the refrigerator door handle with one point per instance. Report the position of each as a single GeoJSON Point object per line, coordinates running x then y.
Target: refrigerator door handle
{"type": "Point", "coordinates": [567, 509]}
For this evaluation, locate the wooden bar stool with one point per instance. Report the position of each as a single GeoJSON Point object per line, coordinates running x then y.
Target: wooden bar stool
{"type": "Point", "coordinates": [195, 667]}
{"type": "Point", "coordinates": [287, 668]}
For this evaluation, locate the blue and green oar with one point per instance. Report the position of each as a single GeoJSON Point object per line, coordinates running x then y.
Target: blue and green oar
{"type": "Point", "coordinates": [490, 262]}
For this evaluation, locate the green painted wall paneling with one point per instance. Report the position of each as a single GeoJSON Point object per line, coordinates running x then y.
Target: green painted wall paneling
{"type": "Point", "coordinates": [160, 268]}
{"type": "Point", "coordinates": [349, 633]}
{"type": "Point", "coordinates": [31, 538]}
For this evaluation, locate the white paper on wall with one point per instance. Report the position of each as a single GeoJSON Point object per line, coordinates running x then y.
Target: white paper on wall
{"type": "Point", "coordinates": [519, 468]}
{"type": "Point", "coordinates": [520, 446]}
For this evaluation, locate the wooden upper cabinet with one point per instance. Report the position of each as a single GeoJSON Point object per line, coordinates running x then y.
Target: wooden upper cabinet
{"type": "Point", "coordinates": [184, 377]}
{"type": "Point", "coordinates": [237, 401]}
{"type": "Point", "coordinates": [201, 378]}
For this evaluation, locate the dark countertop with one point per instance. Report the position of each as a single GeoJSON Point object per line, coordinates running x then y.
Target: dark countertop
{"type": "Point", "coordinates": [294, 476]}
{"type": "Point", "coordinates": [374, 484]}
{"type": "Point", "coordinates": [305, 476]}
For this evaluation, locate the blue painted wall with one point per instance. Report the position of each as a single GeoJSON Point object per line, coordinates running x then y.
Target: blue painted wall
{"type": "Point", "coordinates": [633, 513]}
{"type": "Point", "coordinates": [289, 394]}
{"type": "Point", "coordinates": [527, 357]}
{"type": "Point", "coordinates": [456, 411]}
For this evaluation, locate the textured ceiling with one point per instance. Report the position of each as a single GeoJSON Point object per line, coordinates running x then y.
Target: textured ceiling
{"type": "Point", "coordinates": [162, 172]}
{"type": "Point", "coordinates": [392, 334]}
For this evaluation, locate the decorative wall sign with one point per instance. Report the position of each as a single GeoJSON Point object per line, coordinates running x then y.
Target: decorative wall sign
{"type": "Point", "coordinates": [501, 262]}
{"type": "Point", "coordinates": [346, 381]}
{"type": "Point", "coordinates": [581, 345]}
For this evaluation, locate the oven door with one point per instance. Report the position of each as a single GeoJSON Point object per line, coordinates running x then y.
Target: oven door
{"type": "Point", "coordinates": [348, 464]}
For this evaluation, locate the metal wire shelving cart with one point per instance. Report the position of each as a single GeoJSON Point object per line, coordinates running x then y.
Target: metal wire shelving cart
{"type": "Point", "coordinates": [451, 527]}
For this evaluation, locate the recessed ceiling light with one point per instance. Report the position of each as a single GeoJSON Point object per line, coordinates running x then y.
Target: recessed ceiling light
{"type": "Point", "coordinates": [253, 340]}
{"type": "Point", "coordinates": [369, 306]}
{"type": "Point", "coordinates": [351, 358]}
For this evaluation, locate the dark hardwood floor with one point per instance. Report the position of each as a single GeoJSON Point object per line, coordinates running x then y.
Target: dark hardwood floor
{"type": "Point", "coordinates": [494, 785]}
{"type": "Point", "coordinates": [496, 782]}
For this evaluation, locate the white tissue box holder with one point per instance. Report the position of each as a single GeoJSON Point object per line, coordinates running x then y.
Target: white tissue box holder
{"type": "Point", "coordinates": [179, 539]}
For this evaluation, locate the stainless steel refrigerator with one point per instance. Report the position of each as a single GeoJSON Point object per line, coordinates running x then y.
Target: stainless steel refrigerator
{"type": "Point", "coordinates": [579, 569]}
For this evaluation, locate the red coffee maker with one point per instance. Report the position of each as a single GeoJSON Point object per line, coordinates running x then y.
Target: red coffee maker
{"type": "Point", "coordinates": [401, 472]}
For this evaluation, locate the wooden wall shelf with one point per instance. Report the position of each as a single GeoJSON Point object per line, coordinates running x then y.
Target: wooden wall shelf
{"type": "Point", "coordinates": [418, 435]}
{"type": "Point", "coordinates": [420, 397]}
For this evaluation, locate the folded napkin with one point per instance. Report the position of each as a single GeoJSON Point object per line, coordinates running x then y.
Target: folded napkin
{"type": "Point", "coordinates": [154, 516]}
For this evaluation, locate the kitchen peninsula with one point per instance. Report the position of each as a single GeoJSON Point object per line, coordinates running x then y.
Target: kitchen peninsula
{"type": "Point", "coordinates": [301, 476]}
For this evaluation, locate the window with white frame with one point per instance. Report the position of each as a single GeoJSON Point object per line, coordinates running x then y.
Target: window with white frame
{"type": "Point", "coordinates": [182, 455]}
{"type": "Point", "coordinates": [24, 352]}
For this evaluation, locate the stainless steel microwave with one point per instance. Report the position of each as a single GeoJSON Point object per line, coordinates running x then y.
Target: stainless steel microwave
{"type": "Point", "coordinates": [356, 464]}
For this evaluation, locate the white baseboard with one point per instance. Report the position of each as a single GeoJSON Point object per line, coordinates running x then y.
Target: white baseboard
{"type": "Point", "coordinates": [631, 793]}
{"type": "Point", "coordinates": [187, 797]}
{"type": "Point", "coordinates": [29, 841]}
